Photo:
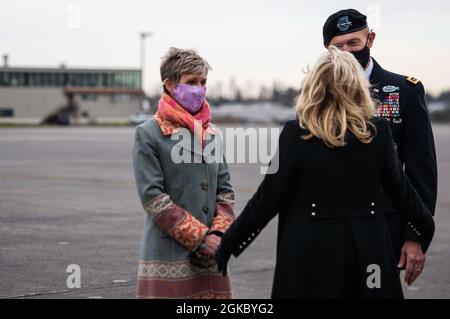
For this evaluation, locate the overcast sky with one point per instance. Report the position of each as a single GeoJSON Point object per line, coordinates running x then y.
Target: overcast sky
{"type": "Point", "coordinates": [253, 41]}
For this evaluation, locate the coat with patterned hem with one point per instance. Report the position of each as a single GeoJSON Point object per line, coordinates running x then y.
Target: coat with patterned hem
{"type": "Point", "coordinates": [183, 201]}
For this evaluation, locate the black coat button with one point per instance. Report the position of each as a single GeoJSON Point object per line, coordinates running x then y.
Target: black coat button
{"type": "Point", "coordinates": [204, 186]}
{"type": "Point", "coordinates": [205, 210]}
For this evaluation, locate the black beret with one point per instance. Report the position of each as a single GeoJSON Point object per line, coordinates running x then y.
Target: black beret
{"type": "Point", "coordinates": [343, 22]}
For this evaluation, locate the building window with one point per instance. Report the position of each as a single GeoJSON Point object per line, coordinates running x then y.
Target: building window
{"type": "Point", "coordinates": [136, 80]}
{"type": "Point", "coordinates": [6, 112]}
{"type": "Point", "coordinates": [34, 78]}
{"type": "Point", "coordinates": [5, 78]}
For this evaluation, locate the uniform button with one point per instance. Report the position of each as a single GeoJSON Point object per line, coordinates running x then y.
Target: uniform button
{"type": "Point", "coordinates": [313, 214]}
{"type": "Point", "coordinates": [258, 230]}
{"type": "Point", "coordinates": [244, 243]}
{"type": "Point", "coordinates": [373, 204]}
{"type": "Point", "coordinates": [313, 205]}
{"type": "Point", "coordinates": [249, 239]}
{"type": "Point", "coordinates": [372, 212]}
{"type": "Point", "coordinates": [253, 234]}
{"type": "Point", "coordinates": [204, 185]}
{"type": "Point", "coordinates": [205, 209]}
{"type": "Point", "coordinates": [240, 247]}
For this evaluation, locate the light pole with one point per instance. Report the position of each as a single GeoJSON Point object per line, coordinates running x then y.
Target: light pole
{"type": "Point", "coordinates": [143, 36]}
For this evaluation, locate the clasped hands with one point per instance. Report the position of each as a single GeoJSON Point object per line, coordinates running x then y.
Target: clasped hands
{"type": "Point", "coordinates": [203, 256]}
{"type": "Point", "coordinates": [211, 252]}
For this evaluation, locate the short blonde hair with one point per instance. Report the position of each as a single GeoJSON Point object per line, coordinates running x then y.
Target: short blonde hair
{"type": "Point", "coordinates": [177, 62]}
{"type": "Point", "coordinates": [335, 98]}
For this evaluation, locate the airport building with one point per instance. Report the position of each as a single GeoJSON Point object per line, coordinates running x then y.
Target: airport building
{"type": "Point", "coordinates": [78, 95]}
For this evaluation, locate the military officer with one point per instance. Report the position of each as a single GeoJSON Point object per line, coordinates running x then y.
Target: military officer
{"type": "Point", "coordinates": [402, 103]}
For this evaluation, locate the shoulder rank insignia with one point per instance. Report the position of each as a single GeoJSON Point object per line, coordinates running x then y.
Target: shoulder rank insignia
{"type": "Point", "coordinates": [413, 80]}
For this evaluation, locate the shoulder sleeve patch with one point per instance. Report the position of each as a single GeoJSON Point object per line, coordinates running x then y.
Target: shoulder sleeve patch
{"type": "Point", "coordinates": [413, 80]}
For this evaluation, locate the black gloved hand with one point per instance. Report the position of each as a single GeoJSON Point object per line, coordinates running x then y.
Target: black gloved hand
{"type": "Point", "coordinates": [222, 257]}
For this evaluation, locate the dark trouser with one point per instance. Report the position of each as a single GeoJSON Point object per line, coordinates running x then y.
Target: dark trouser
{"type": "Point", "coordinates": [396, 226]}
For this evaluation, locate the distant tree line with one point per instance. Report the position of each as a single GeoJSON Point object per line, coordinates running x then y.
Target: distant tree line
{"type": "Point", "coordinates": [281, 96]}
{"type": "Point", "coordinates": [442, 115]}
{"type": "Point", "coordinates": [287, 96]}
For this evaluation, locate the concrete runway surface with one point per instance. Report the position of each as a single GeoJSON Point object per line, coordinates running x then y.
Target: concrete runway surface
{"type": "Point", "coordinates": [67, 196]}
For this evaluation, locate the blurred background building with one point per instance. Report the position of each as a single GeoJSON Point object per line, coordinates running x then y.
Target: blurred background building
{"type": "Point", "coordinates": [68, 95]}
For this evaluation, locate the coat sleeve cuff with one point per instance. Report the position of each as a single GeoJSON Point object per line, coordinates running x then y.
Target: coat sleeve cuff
{"type": "Point", "coordinates": [408, 234]}
{"type": "Point", "coordinates": [224, 213]}
{"type": "Point", "coordinates": [177, 222]}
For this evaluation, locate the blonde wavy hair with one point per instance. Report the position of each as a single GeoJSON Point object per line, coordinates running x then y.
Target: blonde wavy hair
{"type": "Point", "coordinates": [335, 98]}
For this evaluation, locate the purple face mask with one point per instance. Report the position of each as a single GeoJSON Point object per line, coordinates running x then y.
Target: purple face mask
{"type": "Point", "coordinates": [190, 97]}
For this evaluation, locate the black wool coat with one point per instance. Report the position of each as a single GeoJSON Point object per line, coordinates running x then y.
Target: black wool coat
{"type": "Point", "coordinates": [331, 230]}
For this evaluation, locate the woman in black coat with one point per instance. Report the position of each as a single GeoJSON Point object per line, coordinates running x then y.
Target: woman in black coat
{"type": "Point", "coordinates": [334, 162]}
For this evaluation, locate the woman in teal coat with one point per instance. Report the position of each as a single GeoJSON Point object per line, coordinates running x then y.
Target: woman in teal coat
{"type": "Point", "coordinates": [185, 191]}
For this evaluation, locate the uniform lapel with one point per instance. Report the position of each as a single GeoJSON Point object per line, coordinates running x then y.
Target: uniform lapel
{"type": "Point", "coordinates": [376, 79]}
{"type": "Point", "coordinates": [387, 92]}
